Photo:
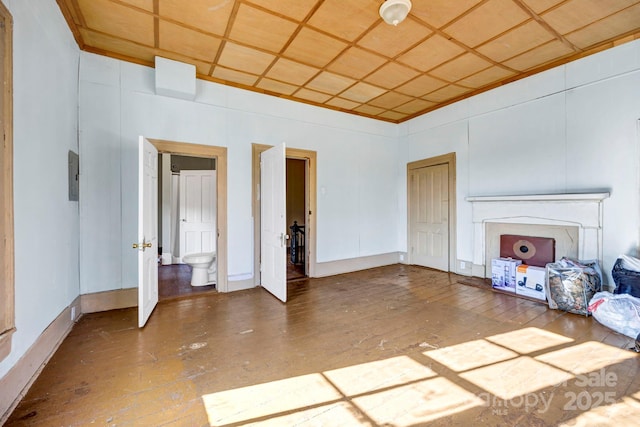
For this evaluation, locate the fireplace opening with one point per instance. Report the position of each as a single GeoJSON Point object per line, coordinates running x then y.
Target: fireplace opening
{"type": "Point", "coordinates": [566, 238]}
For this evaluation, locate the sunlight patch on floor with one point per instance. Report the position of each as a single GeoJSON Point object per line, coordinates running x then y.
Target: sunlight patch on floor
{"type": "Point", "coordinates": [268, 399]}
{"type": "Point", "coordinates": [529, 340]}
{"type": "Point", "coordinates": [516, 377]}
{"type": "Point", "coordinates": [372, 376]}
{"type": "Point", "coordinates": [470, 355]}
{"type": "Point", "coordinates": [586, 357]}
{"type": "Point", "coordinates": [337, 414]}
{"type": "Point", "coordinates": [417, 403]}
{"type": "Point", "coordinates": [623, 413]}
{"type": "Point", "coordinates": [402, 391]}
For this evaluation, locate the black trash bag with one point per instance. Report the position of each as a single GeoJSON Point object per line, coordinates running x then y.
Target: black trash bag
{"type": "Point", "coordinates": [627, 281]}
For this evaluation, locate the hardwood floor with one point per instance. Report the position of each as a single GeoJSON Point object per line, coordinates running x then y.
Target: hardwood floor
{"type": "Point", "coordinates": [392, 346]}
{"type": "Point", "coordinates": [174, 281]}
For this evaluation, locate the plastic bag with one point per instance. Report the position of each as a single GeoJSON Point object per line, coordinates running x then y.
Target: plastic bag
{"type": "Point", "coordinates": [630, 263]}
{"type": "Point", "coordinates": [620, 312]}
{"type": "Point", "coordinates": [571, 284]}
{"type": "Point", "coordinates": [627, 280]}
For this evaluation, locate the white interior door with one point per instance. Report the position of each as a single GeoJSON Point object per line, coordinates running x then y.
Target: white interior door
{"type": "Point", "coordinates": [198, 227]}
{"type": "Point", "coordinates": [429, 217]}
{"type": "Point", "coordinates": [147, 243]}
{"type": "Point", "coordinates": [273, 222]}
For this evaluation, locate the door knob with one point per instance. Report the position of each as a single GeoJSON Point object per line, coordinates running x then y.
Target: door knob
{"type": "Point", "coordinates": [142, 246]}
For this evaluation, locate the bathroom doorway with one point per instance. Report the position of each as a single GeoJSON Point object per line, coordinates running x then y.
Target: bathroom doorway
{"type": "Point", "coordinates": [174, 278]}
{"type": "Point", "coordinates": [186, 218]}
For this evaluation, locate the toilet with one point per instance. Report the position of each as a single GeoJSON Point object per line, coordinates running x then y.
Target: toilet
{"type": "Point", "coordinates": [203, 267]}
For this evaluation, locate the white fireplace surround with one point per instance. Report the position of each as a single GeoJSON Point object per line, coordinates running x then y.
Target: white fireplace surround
{"type": "Point", "coordinates": [581, 210]}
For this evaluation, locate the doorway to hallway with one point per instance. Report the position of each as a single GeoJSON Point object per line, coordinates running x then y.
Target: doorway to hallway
{"type": "Point", "coordinates": [301, 211]}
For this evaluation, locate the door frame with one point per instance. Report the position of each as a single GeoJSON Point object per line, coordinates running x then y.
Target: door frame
{"type": "Point", "coordinates": [310, 195]}
{"type": "Point", "coordinates": [220, 154]}
{"type": "Point", "coordinates": [450, 160]}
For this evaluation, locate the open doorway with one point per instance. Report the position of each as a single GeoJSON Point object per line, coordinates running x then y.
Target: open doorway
{"type": "Point", "coordinates": [301, 211]}
{"type": "Point", "coordinates": [187, 221]}
{"type": "Point", "coordinates": [179, 157]}
{"type": "Point", "coordinates": [296, 189]}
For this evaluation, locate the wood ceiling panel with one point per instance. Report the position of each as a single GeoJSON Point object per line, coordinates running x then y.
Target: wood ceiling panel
{"type": "Point", "coordinates": [441, 12]}
{"type": "Point", "coordinates": [71, 12]}
{"type": "Point", "coordinates": [607, 28]}
{"type": "Point", "coordinates": [118, 47]}
{"type": "Point", "coordinates": [208, 15]}
{"type": "Point", "coordinates": [314, 48]}
{"type": "Point", "coordinates": [142, 4]}
{"type": "Point", "coordinates": [356, 62]}
{"type": "Point", "coordinates": [312, 95]}
{"type": "Point", "coordinates": [330, 83]}
{"type": "Point", "coordinates": [486, 77]}
{"type": "Point", "coordinates": [244, 59]}
{"type": "Point", "coordinates": [576, 14]}
{"type": "Point", "coordinates": [369, 110]}
{"type": "Point", "coordinates": [261, 29]}
{"type": "Point", "coordinates": [234, 76]}
{"type": "Point", "coordinates": [296, 9]}
{"type": "Point", "coordinates": [421, 85]}
{"type": "Point", "coordinates": [520, 39]}
{"type": "Point", "coordinates": [414, 106]}
{"type": "Point", "coordinates": [539, 6]}
{"type": "Point", "coordinates": [539, 56]}
{"type": "Point", "coordinates": [446, 93]}
{"type": "Point", "coordinates": [342, 103]}
{"type": "Point", "coordinates": [487, 21]}
{"type": "Point", "coordinates": [355, 17]}
{"type": "Point", "coordinates": [189, 42]}
{"type": "Point", "coordinates": [118, 20]}
{"type": "Point", "coordinates": [276, 86]}
{"type": "Point", "coordinates": [292, 72]}
{"type": "Point", "coordinates": [362, 92]}
{"type": "Point", "coordinates": [391, 41]}
{"type": "Point", "coordinates": [202, 67]}
{"type": "Point", "coordinates": [391, 75]}
{"type": "Point", "coordinates": [390, 100]}
{"type": "Point", "coordinates": [433, 52]}
{"type": "Point", "coordinates": [392, 115]}
{"type": "Point", "coordinates": [461, 67]}
{"type": "Point", "coordinates": [340, 54]}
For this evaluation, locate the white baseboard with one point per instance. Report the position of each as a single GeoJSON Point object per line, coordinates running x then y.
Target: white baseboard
{"type": "Point", "coordinates": [331, 268]}
{"type": "Point", "coordinates": [240, 285]}
{"type": "Point", "coordinates": [477, 270]}
{"type": "Point", "coordinates": [18, 380]}
{"type": "Point", "coordinates": [166, 258]}
{"type": "Point", "coordinates": [109, 300]}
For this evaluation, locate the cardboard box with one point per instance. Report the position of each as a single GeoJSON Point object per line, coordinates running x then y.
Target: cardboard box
{"type": "Point", "coordinates": [503, 273]}
{"type": "Point", "coordinates": [530, 281]}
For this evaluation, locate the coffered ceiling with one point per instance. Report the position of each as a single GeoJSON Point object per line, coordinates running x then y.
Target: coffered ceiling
{"type": "Point", "coordinates": [339, 54]}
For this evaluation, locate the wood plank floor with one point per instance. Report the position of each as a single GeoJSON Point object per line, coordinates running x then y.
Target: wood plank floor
{"type": "Point", "coordinates": [391, 346]}
{"type": "Point", "coordinates": [174, 281]}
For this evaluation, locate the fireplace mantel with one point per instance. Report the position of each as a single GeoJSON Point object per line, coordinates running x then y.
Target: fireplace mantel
{"type": "Point", "coordinates": [581, 210]}
{"type": "Point", "coordinates": [541, 197]}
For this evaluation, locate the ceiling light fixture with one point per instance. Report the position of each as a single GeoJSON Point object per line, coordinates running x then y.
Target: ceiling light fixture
{"type": "Point", "coordinates": [394, 11]}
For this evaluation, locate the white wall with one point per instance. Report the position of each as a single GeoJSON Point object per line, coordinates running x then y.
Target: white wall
{"type": "Point", "coordinates": [357, 166]}
{"type": "Point", "coordinates": [45, 73]}
{"type": "Point", "coordinates": [570, 129]}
